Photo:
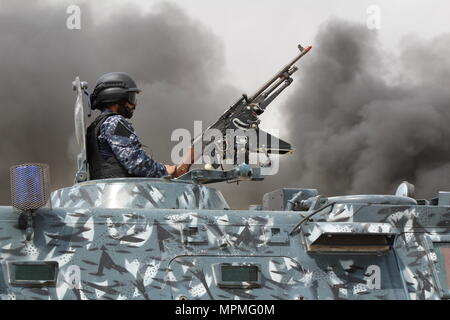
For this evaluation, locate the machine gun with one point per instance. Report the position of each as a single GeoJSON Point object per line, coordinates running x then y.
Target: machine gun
{"type": "Point", "coordinates": [243, 117]}
{"type": "Point", "coordinates": [242, 120]}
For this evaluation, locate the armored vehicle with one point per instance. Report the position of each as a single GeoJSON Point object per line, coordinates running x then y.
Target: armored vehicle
{"type": "Point", "coordinates": [143, 238]}
{"type": "Point", "coordinates": [158, 239]}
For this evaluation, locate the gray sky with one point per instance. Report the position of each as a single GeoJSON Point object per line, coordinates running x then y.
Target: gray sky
{"type": "Point", "coordinates": [260, 34]}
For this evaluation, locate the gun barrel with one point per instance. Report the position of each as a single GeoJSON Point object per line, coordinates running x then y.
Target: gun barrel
{"type": "Point", "coordinates": [265, 103]}
{"type": "Point", "coordinates": [280, 74]}
{"type": "Point", "coordinates": [275, 85]}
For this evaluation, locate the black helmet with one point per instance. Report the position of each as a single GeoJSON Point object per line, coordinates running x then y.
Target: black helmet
{"type": "Point", "coordinates": [114, 87]}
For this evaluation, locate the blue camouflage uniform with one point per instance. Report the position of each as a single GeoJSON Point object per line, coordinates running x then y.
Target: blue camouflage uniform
{"type": "Point", "coordinates": [117, 137]}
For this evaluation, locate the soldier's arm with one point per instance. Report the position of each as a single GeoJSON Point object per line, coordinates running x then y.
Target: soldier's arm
{"type": "Point", "coordinates": [127, 149]}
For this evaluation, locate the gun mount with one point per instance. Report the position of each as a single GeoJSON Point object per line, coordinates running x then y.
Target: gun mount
{"type": "Point", "coordinates": [242, 173]}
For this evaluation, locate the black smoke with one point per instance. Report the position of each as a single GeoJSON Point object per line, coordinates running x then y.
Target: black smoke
{"type": "Point", "coordinates": [177, 62]}
{"type": "Point", "coordinates": [365, 119]}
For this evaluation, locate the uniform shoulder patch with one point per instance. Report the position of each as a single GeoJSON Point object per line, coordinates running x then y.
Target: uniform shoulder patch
{"type": "Point", "coordinates": [121, 130]}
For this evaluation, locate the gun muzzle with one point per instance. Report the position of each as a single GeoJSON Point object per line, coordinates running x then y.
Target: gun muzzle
{"type": "Point", "coordinates": [303, 50]}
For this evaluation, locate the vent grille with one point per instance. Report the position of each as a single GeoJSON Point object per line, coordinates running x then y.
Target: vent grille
{"type": "Point", "coordinates": [30, 186]}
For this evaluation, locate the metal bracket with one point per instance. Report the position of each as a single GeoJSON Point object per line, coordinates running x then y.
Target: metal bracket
{"type": "Point", "coordinates": [80, 88]}
{"type": "Point", "coordinates": [276, 236]}
{"type": "Point", "coordinates": [194, 235]}
{"type": "Point", "coordinates": [26, 223]}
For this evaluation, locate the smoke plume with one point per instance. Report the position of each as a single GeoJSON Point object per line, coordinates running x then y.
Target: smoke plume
{"type": "Point", "coordinates": [177, 62]}
{"type": "Point", "coordinates": [363, 120]}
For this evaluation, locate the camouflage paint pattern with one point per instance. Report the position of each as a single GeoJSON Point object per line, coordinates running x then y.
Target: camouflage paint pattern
{"type": "Point", "coordinates": [138, 193]}
{"type": "Point", "coordinates": [117, 138]}
{"type": "Point", "coordinates": [155, 247]}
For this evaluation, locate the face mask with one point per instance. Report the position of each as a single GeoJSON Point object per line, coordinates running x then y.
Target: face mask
{"type": "Point", "coordinates": [125, 111]}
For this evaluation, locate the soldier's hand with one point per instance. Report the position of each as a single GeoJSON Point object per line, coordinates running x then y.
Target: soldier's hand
{"type": "Point", "coordinates": [182, 169]}
{"type": "Point", "coordinates": [176, 171]}
{"type": "Point", "coordinates": [171, 170]}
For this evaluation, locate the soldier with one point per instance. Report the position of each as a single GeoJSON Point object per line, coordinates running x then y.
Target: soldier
{"type": "Point", "coordinates": [113, 148]}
